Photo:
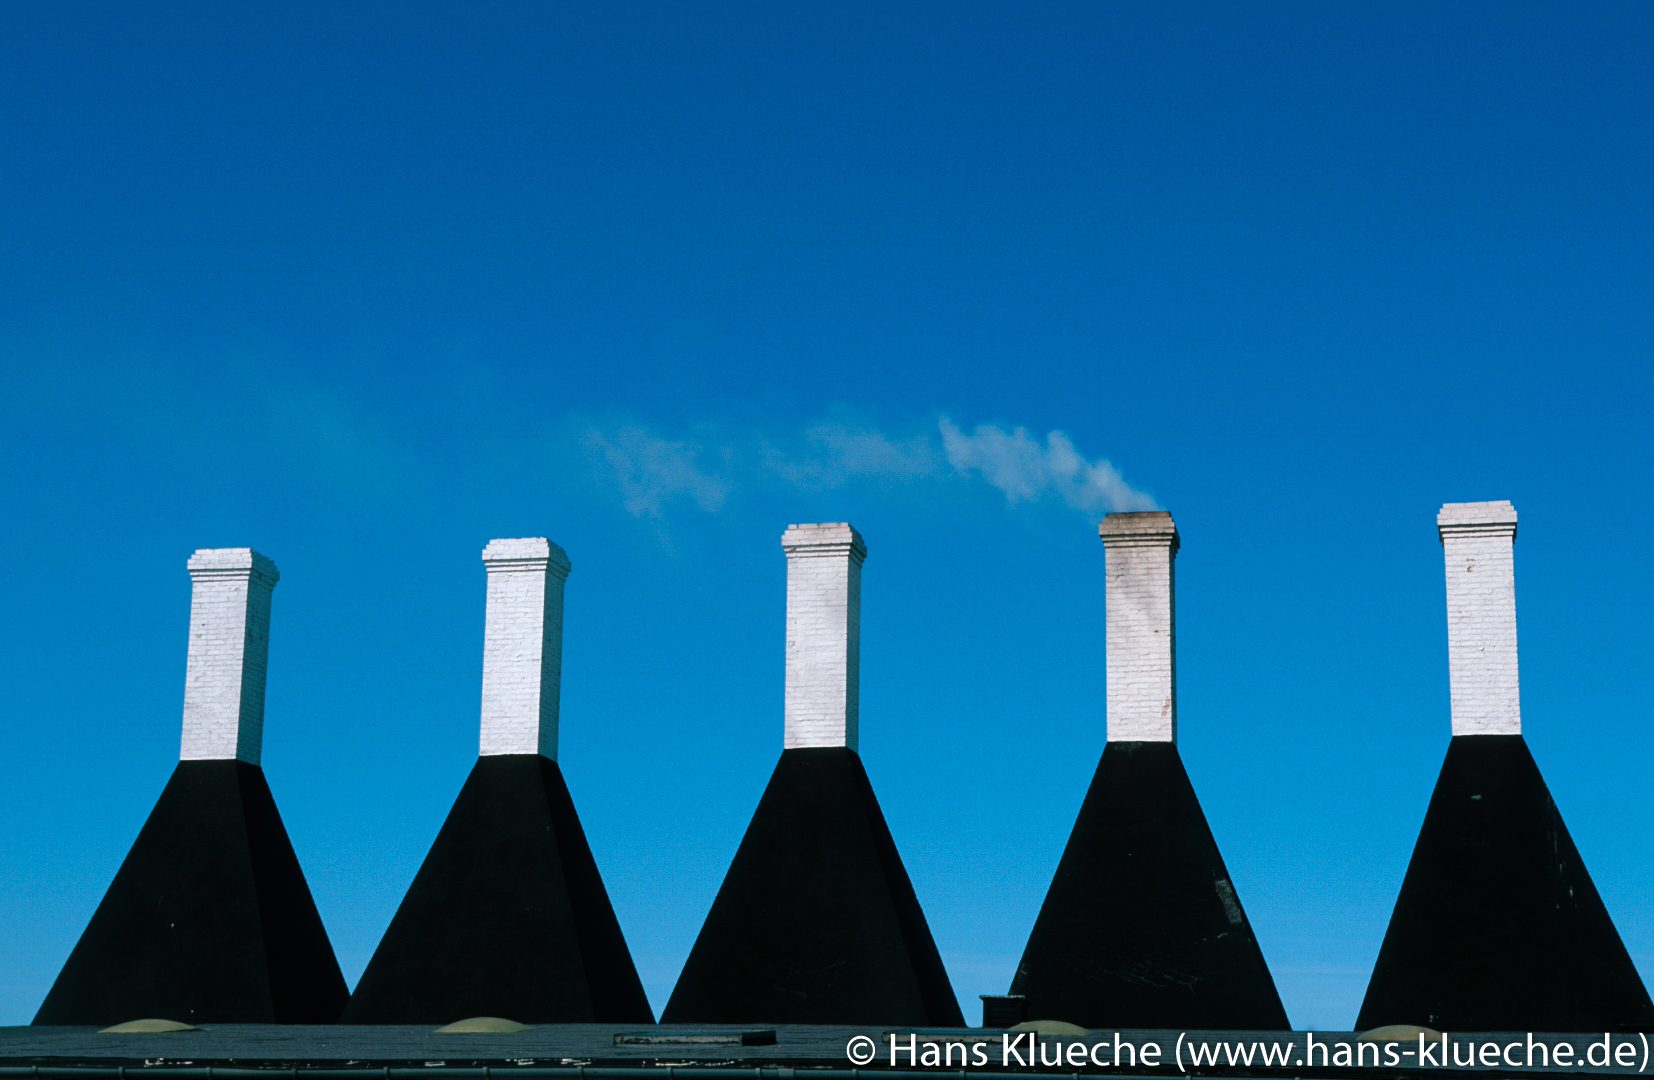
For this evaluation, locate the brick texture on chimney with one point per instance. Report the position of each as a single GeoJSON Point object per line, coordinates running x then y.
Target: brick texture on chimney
{"type": "Point", "coordinates": [823, 680]}
{"type": "Point", "coordinates": [522, 653]}
{"type": "Point", "coordinates": [1141, 625]}
{"type": "Point", "coordinates": [229, 652]}
{"type": "Point", "coordinates": [1478, 548]}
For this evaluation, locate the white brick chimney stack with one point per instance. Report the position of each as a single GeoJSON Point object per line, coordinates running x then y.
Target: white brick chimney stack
{"type": "Point", "coordinates": [1478, 545]}
{"type": "Point", "coordinates": [823, 634]}
{"type": "Point", "coordinates": [228, 655]}
{"type": "Point", "coordinates": [1142, 626]}
{"type": "Point", "coordinates": [522, 650]}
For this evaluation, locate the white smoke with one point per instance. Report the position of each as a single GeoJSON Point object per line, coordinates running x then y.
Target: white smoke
{"type": "Point", "coordinates": [1016, 463]}
{"type": "Point", "coordinates": [833, 455]}
{"type": "Point", "coordinates": [652, 471]}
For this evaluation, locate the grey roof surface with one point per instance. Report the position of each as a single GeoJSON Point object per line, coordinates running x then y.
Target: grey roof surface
{"type": "Point", "coordinates": [288, 1044]}
{"type": "Point", "coordinates": [589, 1052]}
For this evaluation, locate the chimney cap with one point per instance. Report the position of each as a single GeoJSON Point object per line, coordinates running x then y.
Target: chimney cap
{"type": "Point", "coordinates": [527, 552]}
{"type": "Point", "coordinates": [222, 560]}
{"type": "Point", "coordinates": [1496, 516]}
{"type": "Point", "coordinates": [824, 538]}
{"type": "Point", "coordinates": [1140, 527]}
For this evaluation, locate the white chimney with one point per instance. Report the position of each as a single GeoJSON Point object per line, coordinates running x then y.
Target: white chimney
{"type": "Point", "coordinates": [522, 650]}
{"type": "Point", "coordinates": [823, 634]}
{"type": "Point", "coordinates": [1478, 546]}
{"type": "Point", "coordinates": [228, 655]}
{"type": "Point", "coordinates": [1142, 626]}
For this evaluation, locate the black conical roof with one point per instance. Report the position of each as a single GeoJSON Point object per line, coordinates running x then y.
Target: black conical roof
{"type": "Point", "coordinates": [1498, 926]}
{"type": "Point", "coordinates": [506, 917]}
{"type": "Point", "coordinates": [816, 921]}
{"type": "Point", "coordinates": [1142, 927]}
{"type": "Point", "coordinates": [208, 920]}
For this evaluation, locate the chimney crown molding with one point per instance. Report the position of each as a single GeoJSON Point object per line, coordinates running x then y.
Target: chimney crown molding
{"type": "Point", "coordinates": [824, 540]}
{"type": "Point", "coordinates": [526, 553]}
{"type": "Point", "coordinates": [232, 562]}
{"type": "Point", "coordinates": [1495, 518]}
{"type": "Point", "coordinates": [1139, 528]}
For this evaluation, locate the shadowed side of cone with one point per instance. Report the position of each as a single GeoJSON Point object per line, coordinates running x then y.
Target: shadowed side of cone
{"type": "Point", "coordinates": [208, 920]}
{"type": "Point", "coordinates": [816, 921]}
{"type": "Point", "coordinates": [507, 916]}
{"type": "Point", "coordinates": [1142, 927]}
{"type": "Point", "coordinates": [1498, 926]}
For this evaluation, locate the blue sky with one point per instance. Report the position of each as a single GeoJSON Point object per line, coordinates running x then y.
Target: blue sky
{"type": "Point", "coordinates": [364, 286]}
